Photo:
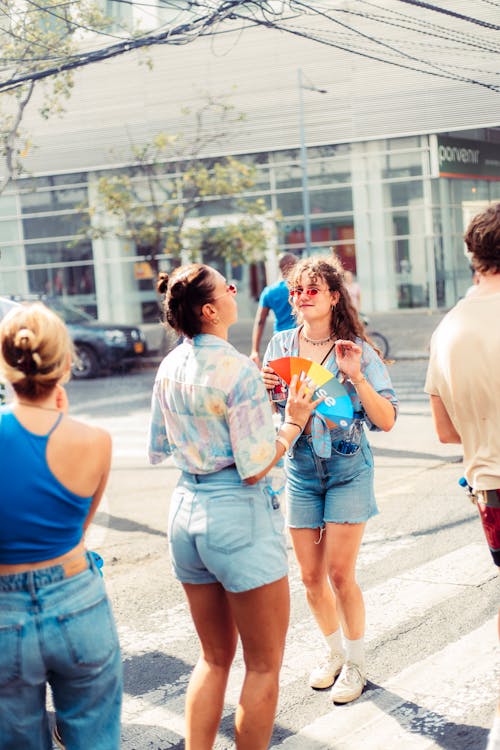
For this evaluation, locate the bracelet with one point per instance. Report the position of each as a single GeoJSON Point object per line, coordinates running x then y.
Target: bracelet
{"type": "Point", "coordinates": [357, 382]}
{"type": "Point", "coordinates": [294, 424]}
{"type": "Point", "coordinates": [284, 442]}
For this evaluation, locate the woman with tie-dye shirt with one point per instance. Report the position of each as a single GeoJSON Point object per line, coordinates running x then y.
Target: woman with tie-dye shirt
{"type": "Point", "coordinates": [211, 414]}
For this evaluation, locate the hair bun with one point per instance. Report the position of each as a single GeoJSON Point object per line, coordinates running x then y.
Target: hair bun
{"type": "Point", "coordinates": [24, 339]}
{"type": "Point", "coordinates": [162, 282]}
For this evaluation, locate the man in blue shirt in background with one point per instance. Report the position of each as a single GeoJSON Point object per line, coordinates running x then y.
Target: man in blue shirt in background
{"type": "Point", "coordinates": [274, 297]}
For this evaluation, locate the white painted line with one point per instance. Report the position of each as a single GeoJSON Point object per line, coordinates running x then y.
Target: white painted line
{"type": "Point", "coordinates": [441, 688]}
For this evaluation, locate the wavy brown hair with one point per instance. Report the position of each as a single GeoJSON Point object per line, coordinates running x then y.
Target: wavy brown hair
{"type": "Point", "coordinates": [483, 240]}
{"type": "Point", "coordinates": [345, 322]}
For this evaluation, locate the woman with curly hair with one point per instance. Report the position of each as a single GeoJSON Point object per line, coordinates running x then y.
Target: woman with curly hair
{"type": "Point", "coordinates": [329, 470]}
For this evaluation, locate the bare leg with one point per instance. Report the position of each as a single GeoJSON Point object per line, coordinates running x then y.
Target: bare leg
{"type": "Point", "coordinates": [342, 547]}
{"type": "Point", "coordinates": [218, 637]}
{"type": "Point", "coordinates": [261, 616]}
{"type": "Point", "coordinates": [311, 557]}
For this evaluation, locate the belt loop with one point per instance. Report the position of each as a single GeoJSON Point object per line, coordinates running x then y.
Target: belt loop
{"type": "Point", "coordinates": [30, 579]}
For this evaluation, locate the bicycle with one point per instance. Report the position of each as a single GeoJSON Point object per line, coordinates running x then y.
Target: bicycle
{"type": "Point", "coordinates": [380, 341]}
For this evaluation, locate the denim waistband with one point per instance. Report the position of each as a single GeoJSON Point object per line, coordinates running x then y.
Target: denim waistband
{"type": "Point", "coordinates": [37, 579]}
{"type": "Point", "coordinates": [214, 476]}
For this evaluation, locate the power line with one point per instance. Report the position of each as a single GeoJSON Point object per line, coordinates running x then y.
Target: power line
{"type": "Point", "coordinates": [208, 17]}
{"type": "Point", "coordinates": [452, 13]}
{"type": "Point", "coordinates": [390, 47]}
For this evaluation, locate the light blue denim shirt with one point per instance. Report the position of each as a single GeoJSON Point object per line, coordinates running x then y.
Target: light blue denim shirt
{"type": "Point", "coordinates": [210, 409]}
{"type": "Point", "coordinates": [286, 344]}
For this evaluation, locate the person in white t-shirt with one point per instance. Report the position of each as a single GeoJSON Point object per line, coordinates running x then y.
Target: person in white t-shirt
{"type": "Point", "coordinates": [463, 381]}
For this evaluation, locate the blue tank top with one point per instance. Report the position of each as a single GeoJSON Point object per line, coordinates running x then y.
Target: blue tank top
{"type": "Point", "coordinates": [39, 518]}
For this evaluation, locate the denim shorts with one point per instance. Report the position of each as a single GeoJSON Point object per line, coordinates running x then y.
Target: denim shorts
{"type": "Point", "coordinates": [223, 530]}
{"type": "Point", "coordinates": [338, 489]}
{"type": "Point", "coordinates": [59, 631]}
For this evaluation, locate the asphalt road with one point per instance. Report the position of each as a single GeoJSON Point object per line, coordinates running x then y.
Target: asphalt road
{"type": "Point", "coordinates": [430, 587]}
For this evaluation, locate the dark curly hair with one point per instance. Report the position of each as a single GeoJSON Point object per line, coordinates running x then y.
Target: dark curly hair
{"type": "Point", "coordinates": [483, 240]}
{"type": "Point", "coordinates": [345, 322]}
{"type": "Point", "coordinates": [186, 290]}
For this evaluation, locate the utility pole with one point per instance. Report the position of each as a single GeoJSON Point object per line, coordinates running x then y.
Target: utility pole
{"type": "Point", "coordinates": [306, 207]}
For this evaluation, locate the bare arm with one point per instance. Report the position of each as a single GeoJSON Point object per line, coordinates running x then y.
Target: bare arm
{"type": "Point", "coordinates": [443, 425]}
{"type": "Point", "coordinates": [104, 450]}
{"type": "Point", "coordinates": [299, 406]}
{"type": "Point", "coordinates": [258, 329]}
{"type": "Point", "coordinates": [379, 409]}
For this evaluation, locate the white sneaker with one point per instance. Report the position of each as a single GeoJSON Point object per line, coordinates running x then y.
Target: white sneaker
{"type": "Point", "coordinates": [349, 685]}
{"type": "Point", "coordinates": [323, 676]}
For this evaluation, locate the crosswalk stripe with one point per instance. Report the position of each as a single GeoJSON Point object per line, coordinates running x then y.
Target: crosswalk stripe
{"type": "Point", "coordinates": [436, 690]}
{"type": "Point", "coordinates": [411, 594]}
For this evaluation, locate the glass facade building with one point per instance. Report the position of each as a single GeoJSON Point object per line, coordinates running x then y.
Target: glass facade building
{"type": "Point", "coordinates": [390, 209]}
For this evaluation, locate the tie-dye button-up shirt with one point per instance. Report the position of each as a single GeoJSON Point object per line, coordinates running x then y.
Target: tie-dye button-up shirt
{"type": "Point", "coordinates": [286, 344]}
{"type": "Point", "coordinates": [210, 409]}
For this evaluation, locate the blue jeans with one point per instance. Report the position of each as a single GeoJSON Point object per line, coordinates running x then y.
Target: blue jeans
{"type": "Point", "coordinates": [59, 631]}
{"type": "Point", "coordinates": [221, 529]}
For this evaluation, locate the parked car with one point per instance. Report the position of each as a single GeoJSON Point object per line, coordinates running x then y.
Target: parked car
{"type": "Point", "coordinates": [5, 305]}
{"type": "Point", "coordinates": [98, 346]}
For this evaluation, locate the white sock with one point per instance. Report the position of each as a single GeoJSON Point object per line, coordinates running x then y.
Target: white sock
{"type": "Point", "coordinates": [494, 735]}
{"type": "Point", "coordinates": [334, 642]}
{"type": "Point", "coordinates": [355, 652]}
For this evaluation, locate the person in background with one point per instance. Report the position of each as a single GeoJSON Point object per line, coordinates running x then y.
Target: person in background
{"type": "Point", "coordinates": [210, 412]}
{"type": "Point", "coordinates": [354, 289]}
{"type": "Point", "coordinates": [463, 382]}
{"type": "Point", "coordinates": [329, 470]}
{"type": "Point", "coordinates": [56, 623]}
{"type": "Point", "coordinates": [274, 297]}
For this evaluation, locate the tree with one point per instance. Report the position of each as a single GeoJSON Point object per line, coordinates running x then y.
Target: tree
{"type": "Point", "coordinates": [33, 39]}
{"type": "Point", "coordinates": [42, 41]}
{"type": "Point", "coordinates": [168, 183]}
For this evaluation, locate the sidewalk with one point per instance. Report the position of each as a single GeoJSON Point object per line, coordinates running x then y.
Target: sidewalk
{"type": "Point", "coordinates": [408, 332]}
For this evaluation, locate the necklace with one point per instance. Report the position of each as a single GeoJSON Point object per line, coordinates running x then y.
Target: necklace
{"type": "Point", "coordinates": [316, 342]}
{"type": "Point", "coordinates": [38, 406]}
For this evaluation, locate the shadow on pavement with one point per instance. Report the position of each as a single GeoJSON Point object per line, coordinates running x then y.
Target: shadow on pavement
{"type": "Point", "coordinates": [392, 453]}
{"type": "Point", "coordinates": [124, 524]}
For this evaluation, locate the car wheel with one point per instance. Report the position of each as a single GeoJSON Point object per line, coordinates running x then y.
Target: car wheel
{"type": "Point", "coordinates": [86, 364]}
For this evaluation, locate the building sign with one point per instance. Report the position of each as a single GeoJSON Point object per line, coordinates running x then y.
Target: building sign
{"type": "Point", "coordinates": [143, 270]}
{"type": "Point", "coordinates": [465, 159]}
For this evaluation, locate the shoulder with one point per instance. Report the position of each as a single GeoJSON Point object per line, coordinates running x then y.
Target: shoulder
{"type": "Point", "coordinates": [276, 289]}
{"type": "Point", "coordinates": [281, 344]}
{"type": "Point", "coordinates": [284, 338]}
{"type": "Point", "coordinates": [84, 437]}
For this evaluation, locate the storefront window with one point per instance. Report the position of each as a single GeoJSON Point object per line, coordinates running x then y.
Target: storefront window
{"type": "Point", "coordinates": [62, 271]}
{"type": "Point", "coordinates": [330, 201]}
{"type": "Point", "coordinates": [55, 225]}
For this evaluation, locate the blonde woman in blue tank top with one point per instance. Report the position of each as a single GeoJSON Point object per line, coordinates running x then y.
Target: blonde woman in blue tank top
{"type": "Point", "coordinates": [56, 625]}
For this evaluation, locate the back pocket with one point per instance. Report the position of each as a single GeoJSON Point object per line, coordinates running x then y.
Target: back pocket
{"type": "Point", "coordinates": [230, 522]}
{"type": "Point", "coordinates": [90, 634]}
{"type": "Point", "coordinates": [10, 654]}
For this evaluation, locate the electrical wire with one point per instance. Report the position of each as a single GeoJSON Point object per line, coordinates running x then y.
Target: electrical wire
{"type": "Point", "coordinates": [208, 18]}
{"type": "Point", "coordinates": [454, 14]}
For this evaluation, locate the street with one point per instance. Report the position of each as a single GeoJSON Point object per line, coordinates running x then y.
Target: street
{"type": "Point", "coordinates": [431, 593]}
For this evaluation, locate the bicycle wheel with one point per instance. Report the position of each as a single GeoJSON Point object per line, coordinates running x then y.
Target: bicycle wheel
{"type": "Point", "coordinates": [380, 342]}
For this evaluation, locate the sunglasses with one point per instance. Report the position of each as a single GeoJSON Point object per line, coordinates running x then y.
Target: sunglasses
{"type": "Point", "coordinates": [230, 289]}
{"type": "Point", "coordinates": [311, 292]}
